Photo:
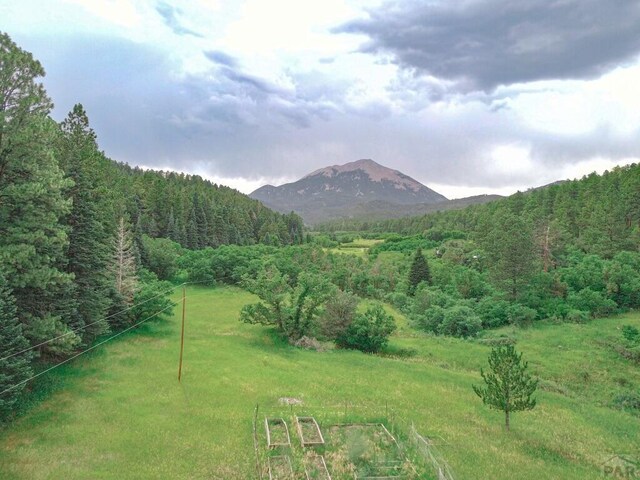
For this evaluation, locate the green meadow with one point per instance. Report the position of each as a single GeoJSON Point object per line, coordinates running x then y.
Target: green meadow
{"type": "Point", "coordinates": [119, 412]}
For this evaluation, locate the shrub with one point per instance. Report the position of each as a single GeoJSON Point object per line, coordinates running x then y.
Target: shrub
{"type": "Point", "coordinates": [431, 319]}
{"type": "Point", "coordinates": [577, 316]}
{"type": "Point", "coordinates": [592, 301]}
{"type": "Point", "coordinates": [631, 334]}
{"type": "Point", "coordinates": [369, 331]}
{"type": "Point", "coordinates": [493, 312]}
{"type": "Point", "coordinates": [520, 315]}
{"type": "Point", "coordinates": [469, 283]}
{"type": "Point", "coordinates": [460, 321]}
{"type": "Point", "coordinates": [398, 299]}
{"type": "Point", "coordinates": [427, 297]}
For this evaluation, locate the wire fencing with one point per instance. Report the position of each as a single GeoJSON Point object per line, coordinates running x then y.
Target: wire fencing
{"type": "Point", "coordinates": [420, 451]}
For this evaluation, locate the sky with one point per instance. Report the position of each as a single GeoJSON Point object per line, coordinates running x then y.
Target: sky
{"type": "Point", "coordinates": [465, 96]}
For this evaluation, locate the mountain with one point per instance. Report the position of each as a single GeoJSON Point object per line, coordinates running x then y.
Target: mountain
{"type": "Point", "coordinates": [343, 191]}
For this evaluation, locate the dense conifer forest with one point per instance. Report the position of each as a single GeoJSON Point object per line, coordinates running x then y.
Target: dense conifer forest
{"type": "Point", "coordinates": [73, 261]}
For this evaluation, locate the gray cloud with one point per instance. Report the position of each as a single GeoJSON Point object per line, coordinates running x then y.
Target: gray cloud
{"type": "Point", "coordinates": [170, 15]}
{"type": "Point", "coordinates": [221, 58]}
{"type": "Point", "coordinates": [481, 44]}
{"type": "Point", "coordinates": [229, 123]}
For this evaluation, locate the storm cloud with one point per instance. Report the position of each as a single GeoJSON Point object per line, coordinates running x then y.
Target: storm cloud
{"type": "Point", "coordinates": [481, 44]}
{"type": "Point", "coordinates": [483, 95]}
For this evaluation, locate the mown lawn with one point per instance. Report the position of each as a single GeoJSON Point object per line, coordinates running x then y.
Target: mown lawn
{"type": "Point", "coordinates": [119, 412]}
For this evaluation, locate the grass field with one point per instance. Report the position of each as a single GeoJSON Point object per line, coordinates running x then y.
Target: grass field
{"type": "Point", "coordinates": [119, 412]}
{"type": "Point", "coordinates": [359, 247]}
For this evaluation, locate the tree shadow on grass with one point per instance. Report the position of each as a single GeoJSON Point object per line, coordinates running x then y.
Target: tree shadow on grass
{"type": "Point", "coordinates": [271, 341]}
{"type": "Point", "coordinates": [45, 386]}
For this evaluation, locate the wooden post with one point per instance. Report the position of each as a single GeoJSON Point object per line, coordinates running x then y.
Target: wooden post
{"type": "Point", "coordinates": [184, 297]}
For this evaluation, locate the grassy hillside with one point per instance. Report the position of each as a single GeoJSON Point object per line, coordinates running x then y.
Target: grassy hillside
{"type": "Point", "coordinates": [120, 413]}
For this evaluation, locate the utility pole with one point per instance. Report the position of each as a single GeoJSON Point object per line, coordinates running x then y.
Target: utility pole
{"type": "Point", "coordinates": [184, 298]}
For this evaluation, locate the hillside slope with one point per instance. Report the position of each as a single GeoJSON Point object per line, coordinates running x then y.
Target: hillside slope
{"type": "Point", "coordinates": [230, 366]}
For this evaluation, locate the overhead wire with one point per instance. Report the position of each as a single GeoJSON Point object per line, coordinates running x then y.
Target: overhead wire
{"type": "Point", "coordinates": [83, 352]}
{"type": "Point", "coordinates": [69, 332]}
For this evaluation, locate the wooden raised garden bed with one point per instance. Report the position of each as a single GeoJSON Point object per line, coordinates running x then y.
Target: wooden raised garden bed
{"type": "Point", "coordinates": [315, 468]}
{"type": "Point", "coordinates": [280, 468]}
{"type": "Point", "coordinates": [309, 431]}
{"type": "Point", "coordinates": [277, 432]}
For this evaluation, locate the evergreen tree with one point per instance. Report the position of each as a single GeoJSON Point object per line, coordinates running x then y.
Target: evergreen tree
{"type": "Point", "coordinates": [510, 247]}
{"type": "Point", "coordinates": [32, 239]}
{"type": "Point", "coordinates": [88, 250]}
{"type": "Point", "coordinates": [173, 232]}
{"type": "Point", "coordinates": [419, 271]}
{"type": "Point", "coordinates": [509, 385]}
{"type": "Point", "coordinates": [14, 369]}
{"type": "Point", "coordinates": [192, 231]}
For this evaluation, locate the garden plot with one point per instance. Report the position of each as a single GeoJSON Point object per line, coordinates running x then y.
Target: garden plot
{"type": "Point", "coordinates": [309, 432]}
{"type": "Point", "coordinates": [335, 443]}
{"type": "Point", "coordinates": [315, 468]}
{"type": "Point", "coordinates": [277, 432]}
{"type": "Point", "coordinates": [366, 451]}
{"type": "Point", "coordinates": [280, 468]}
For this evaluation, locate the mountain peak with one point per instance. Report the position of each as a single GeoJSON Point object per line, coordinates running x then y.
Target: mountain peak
{"type": "Point", "coordinates": [332, 191]}
{"type": "Point", "coordinates": [375, 171]}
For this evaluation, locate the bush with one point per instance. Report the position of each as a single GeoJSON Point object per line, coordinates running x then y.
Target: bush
{"type": "Point", "coordinates": [592, 301]}
{"type": "Point", "coordinates": [431, 319]}
{"type": "Point", "coordinates": [493, 312]}
{"type": "Point", "coordinates": [460, 321]}
{"type": "Point", "coordinates": [369, 331]}
{"type": "Point", "coordinates": [469, 283]}
{"type": "Point", "coordinates": [577, 316]}
{"type": "Point", "coordinates": [399, 300]}
{"type": "Point", "coordinates": [631, 334]}
{"type": "Point", "coordinates": [427, 297]}
{"type": "Point", "coordinates": [520, 315]}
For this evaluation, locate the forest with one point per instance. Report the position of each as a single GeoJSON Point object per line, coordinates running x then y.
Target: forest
{"type": "Point", "coordinates": [74, 263]}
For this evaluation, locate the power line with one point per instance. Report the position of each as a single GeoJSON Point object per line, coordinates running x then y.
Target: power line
{"type": "Point", "coordinates": [84, 351]}
{"type": "Point", "coordinates": [69, 332]}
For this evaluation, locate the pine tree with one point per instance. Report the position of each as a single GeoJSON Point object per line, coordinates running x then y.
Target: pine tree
{"type": "Point", "coordinates": [419, 271]}
{"type": "Point", "coordinates": [32, 239]}
{"type": "Point", "coordinates": [15, 369]}
{"type": "Point", "coordinates": [509, 385]}
{"type": "Point", "coordinates": [88, 251]}
{"type": "Point", "coordinates": [173, 232]}
{"type": "Point", "coordinates": [511, 250]}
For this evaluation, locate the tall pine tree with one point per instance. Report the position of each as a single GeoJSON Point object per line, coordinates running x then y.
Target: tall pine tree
{"type": "Point", "coordinates": [13, 369]}
{"type": "Point", "coordinates": [88, 251]}
{"type": "Point", "coordinates": [32, 239]}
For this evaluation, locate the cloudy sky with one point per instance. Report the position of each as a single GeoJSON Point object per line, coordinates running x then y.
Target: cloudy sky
{"type": "Point", "coordinates": [466, 96]}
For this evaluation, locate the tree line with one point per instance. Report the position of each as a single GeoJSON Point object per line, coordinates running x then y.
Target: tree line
{"type": "Point", "coordinates": [598, 214]}
{"type": "Point", "coordinates": [74, 263]}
